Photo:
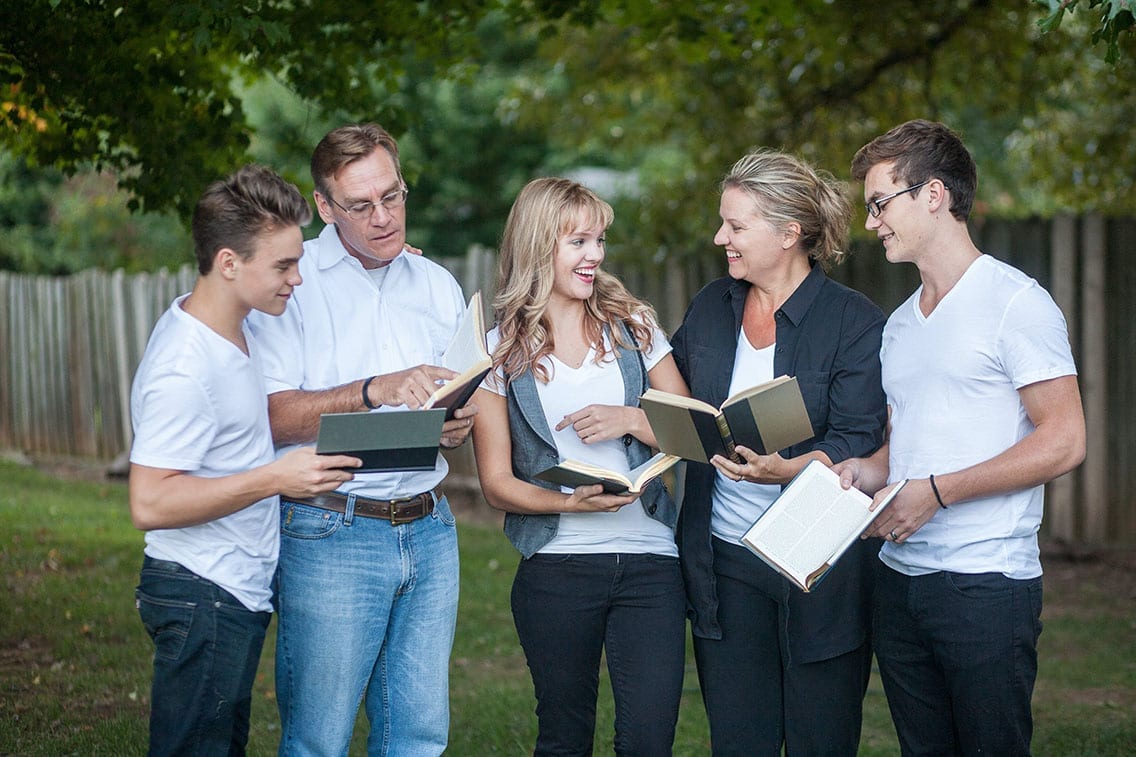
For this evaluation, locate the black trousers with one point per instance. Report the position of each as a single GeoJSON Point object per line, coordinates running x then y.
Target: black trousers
{"type": "Point", "coordinates": [570, 608]}
{"type": "Point", "coordinates": [757, 697]}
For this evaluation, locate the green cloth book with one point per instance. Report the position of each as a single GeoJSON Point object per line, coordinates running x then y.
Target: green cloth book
{"type": "Point", "coordinates": [392, 440]}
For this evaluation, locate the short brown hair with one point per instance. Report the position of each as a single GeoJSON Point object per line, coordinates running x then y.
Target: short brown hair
{"type": "Point", "coordinates": [235, 211]}
{"type": "Point", "coordinates": [347, 144]}
{"type": "Point", "coordinates": [921, 151]}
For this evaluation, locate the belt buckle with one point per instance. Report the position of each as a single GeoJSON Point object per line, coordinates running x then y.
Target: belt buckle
{"type": "Point", "coordinates": [394, 503]}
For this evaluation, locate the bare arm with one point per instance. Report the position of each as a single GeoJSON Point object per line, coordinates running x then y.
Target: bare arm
{"type": "Point", "coordinates": [162, 498]}
{"type": "Point", "coordinates": [1054, 447]}
{"type": "Point", "coordinates": [493, 447]}
{"type": "Point", "coordinates": [295, 413]}
{"type": "Point", "coordinates": [597, 423]}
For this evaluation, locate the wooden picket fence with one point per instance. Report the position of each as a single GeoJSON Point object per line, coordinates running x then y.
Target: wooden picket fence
{"type": "Point", "coordinates": [69, 347]}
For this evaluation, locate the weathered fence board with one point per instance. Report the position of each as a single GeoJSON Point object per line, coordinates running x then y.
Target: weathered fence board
{"type": "Point", "coordinates": [69, 347]}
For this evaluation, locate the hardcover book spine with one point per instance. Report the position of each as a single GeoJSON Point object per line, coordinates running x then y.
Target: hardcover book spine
{"type": "Point", "coordinates": [728, 438]}
{"type": "Point", "coordinates": [710, 435]}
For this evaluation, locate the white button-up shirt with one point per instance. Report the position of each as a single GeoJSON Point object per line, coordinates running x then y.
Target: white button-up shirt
{"type": "Point", "coordinates": [340, 327]}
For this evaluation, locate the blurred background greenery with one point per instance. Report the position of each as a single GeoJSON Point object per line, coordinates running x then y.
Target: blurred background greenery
{"type": "Point", "coordinates": [114, 115]}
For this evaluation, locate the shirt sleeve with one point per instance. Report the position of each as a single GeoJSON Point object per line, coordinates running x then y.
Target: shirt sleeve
{"type": "Point", "coordinates": [1033, 344]}
{"type": "Point", "coordinates": [660, 348]}
{"type": "Point", "coordinates": [175, 427]}
{"type": "Point", "coordinates": [857, 406]}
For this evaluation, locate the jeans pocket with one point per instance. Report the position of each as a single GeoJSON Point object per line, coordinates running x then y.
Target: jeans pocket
{"type": "Point", "coordinates": [979, 585]}
{"type": "Point", "coordinates": [443, 513]}
{"type": "Point", "coordinates": [305, 522]}
{"type": "Point", "coordinates": [167, 621]}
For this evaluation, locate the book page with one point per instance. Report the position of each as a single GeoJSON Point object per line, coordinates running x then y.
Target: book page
{"type": "Point", "coordinates": [756, 389]}
{"type": "Point", "coordinates": [468, 344]}
{"type": "Point", "coordinates": [812, 520]}
{"type": "Point", "coordinates": [677, 400]}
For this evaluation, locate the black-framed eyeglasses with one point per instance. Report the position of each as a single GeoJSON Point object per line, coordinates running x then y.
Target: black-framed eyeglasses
{"type": "Point", "coordinates": [875, 207]}
{"type": "Point", "coordinates": [359, 211]}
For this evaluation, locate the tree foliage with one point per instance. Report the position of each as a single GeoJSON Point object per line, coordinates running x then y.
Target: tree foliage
{"type": "Point", "coordinates": [166, 95]}
{"type": "Point", "coordinates": [684, 93]}
{"type": "Point", "coordinates": [145, 88]}
{"type": "Point", "coordinates": [1115, 18]}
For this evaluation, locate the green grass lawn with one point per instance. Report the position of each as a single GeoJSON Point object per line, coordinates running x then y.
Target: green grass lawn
{"type": "Point", "coordinates": [75, 661]}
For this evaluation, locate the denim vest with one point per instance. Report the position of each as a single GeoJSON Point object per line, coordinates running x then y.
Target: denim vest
{"type": "Point", "coordinates": [534, 451]}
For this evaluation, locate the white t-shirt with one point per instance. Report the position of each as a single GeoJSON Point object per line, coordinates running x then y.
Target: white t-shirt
{"type": "Point", "coordinates": [737, 504]}
{"type": "Point", "coordinates": [952, 381]}
{"type": "Point", "coordinates": [198, 405]}
{"type": "Point", "coordinates": [629, 529]}
{"type": "Point", "coordinates": [340, 326]}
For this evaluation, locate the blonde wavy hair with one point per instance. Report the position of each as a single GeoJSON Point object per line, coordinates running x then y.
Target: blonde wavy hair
{"type": "Point", "coordinates": [545, 210]}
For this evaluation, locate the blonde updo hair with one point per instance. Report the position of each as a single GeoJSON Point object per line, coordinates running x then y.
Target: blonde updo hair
{"type": "Point", "coordinates": [786, 189]}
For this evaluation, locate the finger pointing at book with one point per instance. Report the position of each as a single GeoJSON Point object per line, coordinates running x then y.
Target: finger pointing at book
{"type": "Point", "coordinates": [410, 387]}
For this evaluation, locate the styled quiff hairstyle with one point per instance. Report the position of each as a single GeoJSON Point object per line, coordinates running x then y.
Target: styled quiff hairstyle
{"type": "Point", "coordinates": [787, 190]}
{"type": "Point", "coordinates": [345, 145]}
{"type": "Point", "coordinates": [545, 210]}
{"type": "Point", "coordinates": [235, 211]}
{"type": "Point", "coordinates": [920, 151]}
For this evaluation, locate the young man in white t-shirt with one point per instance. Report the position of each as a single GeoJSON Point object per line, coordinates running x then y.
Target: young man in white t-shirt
{"type": "Point", "coordinates": [985, 409]}
{"type": "Point", "coordinates": [203, 473]}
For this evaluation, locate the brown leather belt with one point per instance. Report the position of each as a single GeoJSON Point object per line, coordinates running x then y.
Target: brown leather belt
{"type": "Point", "coordinates": [397, 511]}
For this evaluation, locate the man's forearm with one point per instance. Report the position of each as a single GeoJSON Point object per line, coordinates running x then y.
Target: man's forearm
{"type": "Point", "coordinates": [295, 413]}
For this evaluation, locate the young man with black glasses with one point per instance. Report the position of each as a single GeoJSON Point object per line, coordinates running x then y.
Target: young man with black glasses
{"type": "Point", "coordinates": [985, 409]}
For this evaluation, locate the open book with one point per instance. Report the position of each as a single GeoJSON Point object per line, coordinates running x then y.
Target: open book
{"type": "Point", "coordinates": [811, 524]}
{"type": "Point", "coordinates": [573, 473]}
{"type": "Point", "coordinates": [765, 418]}
{"type": "Point", "coordinates": [392, 440]}
{"type": "Point", "coordinates": [466, 354]}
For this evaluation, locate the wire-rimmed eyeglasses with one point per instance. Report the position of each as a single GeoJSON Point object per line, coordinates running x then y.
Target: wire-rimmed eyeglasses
{"type": "Point", "coordinates": [360, 210]}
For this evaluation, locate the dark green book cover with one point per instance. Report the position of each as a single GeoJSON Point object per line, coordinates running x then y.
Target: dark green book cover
{"type": "Point", "coordinates": [395, 440]}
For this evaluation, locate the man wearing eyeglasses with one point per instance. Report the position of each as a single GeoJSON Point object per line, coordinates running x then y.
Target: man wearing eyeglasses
{"type": "Point", "coordinates": [368, 579]}
{"type": "Point", "coordinates": [985, 409]}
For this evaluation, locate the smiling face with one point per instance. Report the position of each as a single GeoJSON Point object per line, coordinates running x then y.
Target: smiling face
{"type": "Point", "coordinates": [379, 238]}
{"type": "Point", "coordinates": [898, 225]}
{"type": "Point", "coordinates": [578, 255]}
{"type": "Point", "coordinates": [266, 280]}
{"type": "Point", "coordinates": [753, 245]}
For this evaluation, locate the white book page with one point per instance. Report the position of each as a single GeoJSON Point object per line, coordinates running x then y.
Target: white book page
{"type": "Point", "coordinates": [812, 520]}
{"type": "Point", "coordinates": [468, 345]}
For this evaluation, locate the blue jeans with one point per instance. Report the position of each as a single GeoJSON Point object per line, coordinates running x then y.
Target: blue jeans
{"type": "Point", "coordinates": [206, 649]}
{"type": "Point", "coordinates": [366, 613]}
{"type": "Point", "coordinates": [570, 608]}
{"type": "Point", "coordinates": [958, 659]}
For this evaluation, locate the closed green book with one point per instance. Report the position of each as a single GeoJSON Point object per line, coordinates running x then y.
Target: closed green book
{"type": "Point", "coordinates": [393, 440]}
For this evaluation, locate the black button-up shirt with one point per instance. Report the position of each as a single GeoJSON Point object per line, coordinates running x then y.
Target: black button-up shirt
{"type": "Point", "coordinates": [828, 336]}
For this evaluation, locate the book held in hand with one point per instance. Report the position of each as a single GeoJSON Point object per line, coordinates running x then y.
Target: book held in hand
{"type": "Point", "coordinates": [468, 356]}
{"type": "Point", "coordinates": [393, 440]}
{"type": "Point", "coordinates": [765, 418]}
{"type": "Point", "coordinates": [811, 524]}
{"type": "Point", "coordinates": [573, 473]}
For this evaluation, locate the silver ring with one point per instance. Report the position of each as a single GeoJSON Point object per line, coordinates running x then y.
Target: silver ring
{"type": "Point", "coordinates": [893, 536]}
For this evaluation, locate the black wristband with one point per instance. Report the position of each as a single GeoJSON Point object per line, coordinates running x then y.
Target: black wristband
{"type": "Point", "coordinates": [366, 399]}
{"type": "Point", "coordinates": [935, 489]}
